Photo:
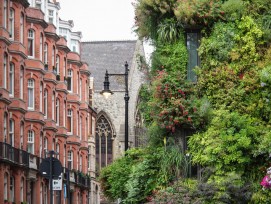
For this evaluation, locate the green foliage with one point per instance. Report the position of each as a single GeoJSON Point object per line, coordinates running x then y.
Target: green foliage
{"type": "Point", "coordinates": [149, 13]}
{"type": "Point", "coordinates": [198, 12]}
{"type": "Point", "coordinates": [229, 143]}
{"type": "Point", "coordinates": [135, 176]}
{"type": "Point", "coordinates": [169, 30]}
{"type": "Point", "coordinates": [215, 49]}
{"type": "Point", "coordinates": [172, 57]}
{"type": "Point", "coordinates": [233, 9]}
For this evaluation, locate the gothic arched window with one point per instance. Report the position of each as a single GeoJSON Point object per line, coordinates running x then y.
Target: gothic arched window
{"type": "Point", "coordinates": [104, 151]}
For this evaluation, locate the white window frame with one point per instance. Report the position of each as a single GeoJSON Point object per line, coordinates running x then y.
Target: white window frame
{"type": "Point", "coordinates": [5, 186]}
{"type": "Point", "coordinates": [80, 127]}
{"type": "Point", "coordinates": [45, 99]}
{"type": "Point", "coordinates": [80, 163]}
{"type": "Point", "coordinates": [21, 135]}
{"type": "Point", "coordinates": [70, 117]}
{"type": "Point", "coordinates": [5, 127]}
{"type": "Point", "coordinates": [31, 92]}
{"type": "Point", "coordinates": [22, 28]}
{"type": "Point", "coordinates": [53, 106]}
{"type": "Point", "coordinates": [70, 158]}
{"type": "Point", "coordinates": [11, 79]}
{"type": "Point", "coordinates": [41, 95]}
{"type": "Point", "coordinates": [5, 67]}
{"type": "Point", "coordinates": [5, 14]}
{"type": "Point", "coordinates": [53, 56]}
{"type": "Point", "coordinates": [57, 150]}
{"type": "Point", "coordinates": [80, 89]}
{"type": "Point", "coordinates": [57, 111]}
{"type": "Point", "coordinates": [51, 16]}
{"type": "Point", "coordinates": [22, 82]}
{"type": "Point", "coordinates": [31, 43]}
{"type": "Point", "coordinates": [64, 114]}
{"type": "Point", "coordinates": [41, 46]}
{"type": "Point", "coordinates": [45, 145]}
{"type": "Point", "coordinates": [11, 23]}
{"type": "Point", "coordinates": [22, 190]}
{"type": "Point", "coordinates": [11, 132]}
{"type": "Point", "coordinates": [30, 142]}
{"type": "Point", "coordinates": [70, 80]}
{"type": "Point", "coordinates": [57, 64]}
{"type": "Point", "coordinates": [11, 189]}
{"type": "Point", "coordinates": [45, 53]}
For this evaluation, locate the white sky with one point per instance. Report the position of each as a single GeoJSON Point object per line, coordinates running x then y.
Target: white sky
{"type": "Point", "coordinates": [100, 20]}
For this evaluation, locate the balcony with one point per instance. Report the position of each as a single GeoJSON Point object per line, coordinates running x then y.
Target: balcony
{"type": "Point", "coordinates": [13, 155]}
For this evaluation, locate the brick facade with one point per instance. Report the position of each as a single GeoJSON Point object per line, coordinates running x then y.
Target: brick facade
{"type": "Point", "coordinates": [34, 103]}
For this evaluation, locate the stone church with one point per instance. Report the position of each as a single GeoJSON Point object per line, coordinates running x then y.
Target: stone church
{"type": "Point", "coordinates": [110, 128]}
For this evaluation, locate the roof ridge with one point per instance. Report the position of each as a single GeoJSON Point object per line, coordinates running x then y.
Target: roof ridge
{"type": "Point", "coordinates": [108, 41]}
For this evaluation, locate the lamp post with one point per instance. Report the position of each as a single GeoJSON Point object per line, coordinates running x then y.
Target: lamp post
{"type": "Point", "coordinates": [107, 92]}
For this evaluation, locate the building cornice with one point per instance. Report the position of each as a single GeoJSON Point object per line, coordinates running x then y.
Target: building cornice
{"type": "Point", "coordinates": [52, 35]}
{"type": "Point", "coordinates": [23, 2]}
{"type": "Point", "coordinates": [35, 121]}
{"type": "Point", "coordinates": [87, 72]}
{"type": "Point", "coordinates": [37, 21]}
{"type": "Point", "coordinates": [76, 62]}
{"type": "Point", "coordinates": [7, 41]}
{"type": "Point", "coordinates": [65, 48]}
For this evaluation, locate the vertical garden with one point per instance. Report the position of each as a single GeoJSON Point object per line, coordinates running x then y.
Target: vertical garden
{"type": "Point", "coordinates": [210, 76]}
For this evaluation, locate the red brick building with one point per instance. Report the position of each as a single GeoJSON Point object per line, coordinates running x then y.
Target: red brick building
{"type": "Point", "coordinates": [45, 104]}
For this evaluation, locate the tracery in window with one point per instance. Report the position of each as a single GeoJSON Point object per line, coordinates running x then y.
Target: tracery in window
{"type": "Point", "coordinates": [104, 146]}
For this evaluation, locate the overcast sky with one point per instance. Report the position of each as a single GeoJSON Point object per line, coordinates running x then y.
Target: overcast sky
{"type": "Point", "coordinates": [100, 19]}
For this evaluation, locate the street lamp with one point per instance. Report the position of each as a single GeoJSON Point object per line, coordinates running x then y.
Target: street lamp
{"type": "Point", "coordinates": [107, 92]}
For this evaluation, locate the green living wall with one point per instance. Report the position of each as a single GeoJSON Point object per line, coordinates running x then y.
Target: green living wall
{"type": "Point", "coordinates": [227, 107]}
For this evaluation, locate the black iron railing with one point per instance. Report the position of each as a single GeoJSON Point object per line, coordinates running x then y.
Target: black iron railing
{"type": "Point", "coordinates": [14, 155]}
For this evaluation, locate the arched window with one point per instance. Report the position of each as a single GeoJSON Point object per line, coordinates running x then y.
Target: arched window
{"type": "Point", "coordinates": [11, 23]}
{"type": "Point", "coordinates": [31, 43]}
{"type": "Point", "coordinates": [11, 189]}
{"type": "Point", "coordinates": [45, 99]}
{"type": "Point", "coordinates": [22, 82]}
{"type": "Point", "coordinates": [22, 28]}
{"type": "Point", "coordinates": [30, 141]}
{"type": "Point", "coordinates": [57, 111]}
{"type": "Point", "coordinates": [41, 46]}
{"type": "Point", "coordinates": [70, 80]}
{"type": "Point", "coordinates": [30, 88]}
{"type": "Point", "coordinates": [11, 80]}
{"type": "Point", "coordinates": [103, 142]}
{"type": "Point", "coordinates": [69, 121]}
{"type": "Point", "coordinates": [11, 132]}
{"type": "Point", "coordinates": [5, 68]}
{"type": "Point", "coordinates": [5, 186]}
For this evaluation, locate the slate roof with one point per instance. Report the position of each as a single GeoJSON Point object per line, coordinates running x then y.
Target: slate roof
{"type": "Point", "coordinates": [108, 55]}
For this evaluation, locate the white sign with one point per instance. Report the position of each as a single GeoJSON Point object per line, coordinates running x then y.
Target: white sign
{"type": "Point", "coordinates": [57, 183]}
